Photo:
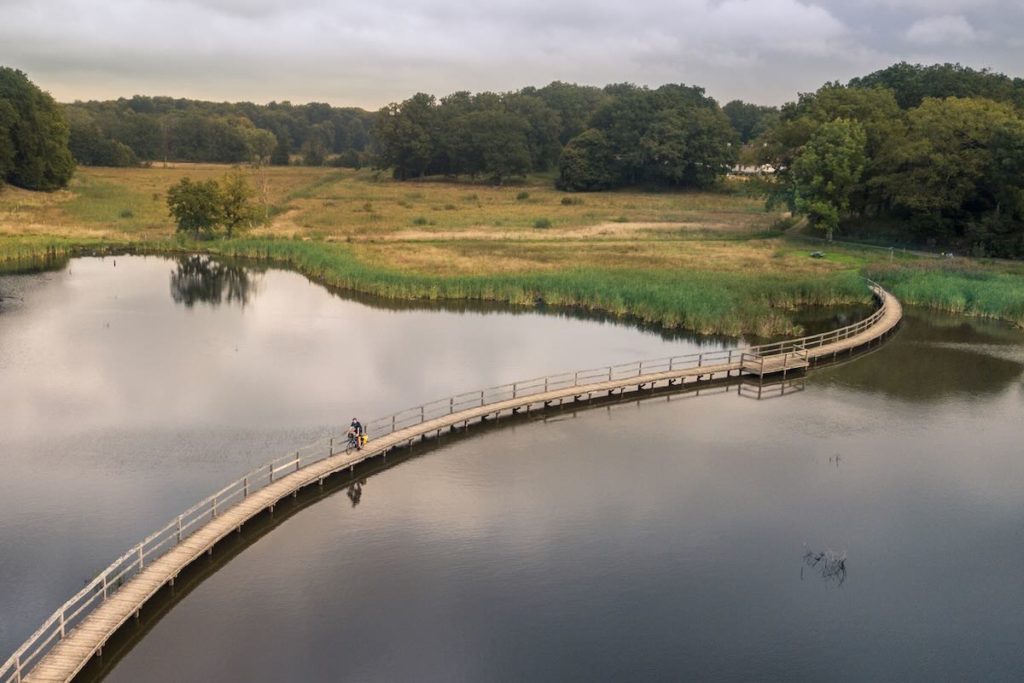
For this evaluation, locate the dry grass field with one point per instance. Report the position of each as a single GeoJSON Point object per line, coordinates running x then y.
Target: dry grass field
{"type": "Point", "coordinates": [709, 261]}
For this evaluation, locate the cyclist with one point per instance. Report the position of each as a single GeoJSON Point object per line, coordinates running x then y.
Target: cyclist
{"type": "Point", "coordinates": [356, 431]}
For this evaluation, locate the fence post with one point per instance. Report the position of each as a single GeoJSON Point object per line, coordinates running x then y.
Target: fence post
{"type": "Point", "coordinates": [422, 415]}
{"type": "Point", "coordinates": [700, 360]}
{"type": "Point", "coordinates": [17, 667]}
{"type": "Point", "coordinates": [62, 623]}
{"type": "Point", "coordinates": [639, 368]}
{"type": "Point", "coordinates": [609, 373]}
{"type": "Point", "coordinates": [213, 506]}
{"type": "Point", "coordinates": [392, 423]}
{"type": "Point", "coordinates": [481, 398]}
{"type": "Point", "coordinates": [330, 450]}
{"type": "Point", "coordinates": [179, 528]}
{"type": "Point", "coordinates": [245, 486]}
{"type": "Point", "coordinates": [514, 385]}
{"type": "Point", "coordinates": [270, 467]}
{"type": "Point", "coordinates": [296, 461]}
{"type": "Point", "coordinates": [104, 585]}
{"type": "Point", "coordinates": [545, 385]}
{"type": "Point", "coordinates": [451, 405]}
{"type": "Point", "coordinates": [141, 558]}
{"type": "Point", "coordinates": [576, 378]}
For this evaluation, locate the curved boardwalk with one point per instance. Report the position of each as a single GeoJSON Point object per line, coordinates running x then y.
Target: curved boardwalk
{"type": "Point", "coordinates": [79, 629]}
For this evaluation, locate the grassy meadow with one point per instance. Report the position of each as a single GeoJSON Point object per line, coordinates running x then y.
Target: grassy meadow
{"type": "Point", "coordinates": [712, 262]}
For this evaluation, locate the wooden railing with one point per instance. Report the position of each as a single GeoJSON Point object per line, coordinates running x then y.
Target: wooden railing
{"type": "Point", "coordinates": [107, 582]}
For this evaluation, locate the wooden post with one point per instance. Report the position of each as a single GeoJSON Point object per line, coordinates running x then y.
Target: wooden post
{"type": "Point", "coordinates": [700, 360]}
{"type": "Point", "coordinates": [576, 379]}
{"type": "Point", "coordinates": [609, 373]}
{"type": "Point", "coordinates": [179, 528]}
{"type": "Point", "coordinates": [62, 623]}
{"type": "Point", "coordinates": [545, 385]}
{"type": "Point", "coordinates": [104, 586]}
{"type": "Point", "coordinates": [422, 415]}
{"type": "Point", "coordinates": [481, 397]}
{"type": "Point", "coordinates": [451, 405]}
{"type": "Point", "coordinates": [330, 450]}
{"type": "Point", "coordinates": [392, 423]}
{"type": "Point", "coordinates": [514, 390]}
{"type": "Point", "coordinates": [271, 468]}
{"type": "Point", "coordinates": [141, 558]}
{"type": "Point", "coordinates": [17, 668]}
{"type": "Point", "coordinates": [214, 506]}
{"type": "Point", "coordinates": [296, 461]}
{"type": "Point", "coordinates": [245, 489]}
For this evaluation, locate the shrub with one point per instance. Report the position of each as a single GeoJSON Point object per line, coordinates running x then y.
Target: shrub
{"type": "Point", "coordinates": [419, 220]}
{"type": "Point", "coordinates": [571, 201]}
{"type": "Point", "coordinates": [523, 195]}
{"type": "Point", "coordinates": [542, 223]}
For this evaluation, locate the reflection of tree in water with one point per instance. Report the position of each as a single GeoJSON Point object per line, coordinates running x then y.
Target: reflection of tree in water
{"type": "Point", "coordinates": [829, 564]}
{"type": "Point", "coordinates": [935, 357]}
{"type": "Point", "coordinates": [355, 492]}
{"type": "Point", "coordinates": [201, 279]}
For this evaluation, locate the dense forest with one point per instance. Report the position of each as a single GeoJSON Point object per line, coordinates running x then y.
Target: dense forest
{"type": "Point", "coordinates": [598, 138]}
{"type": "Point", "coordinates": [930, 155]}
{"type": "Point", "coordinates": [924, 154]}
{"type": "Point", "coordinates": [125, 132]}
{"type": "Point", "coordinates": [33, 136]}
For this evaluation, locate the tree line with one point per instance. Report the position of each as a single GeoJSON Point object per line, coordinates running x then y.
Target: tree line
{"type": "Point", "coordinates": [128, 131]}
{"type": "Point", "coordinates": [597, 138]}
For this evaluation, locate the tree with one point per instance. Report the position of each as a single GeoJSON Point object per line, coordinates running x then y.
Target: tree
{"type": "Point", "coordinates": [826, 172]}
{"type": "Point", "coordinates": [237, 210]}
{"type": "Point", "coordinates": [958, 174]}
{"type": "Point", "coordinates": [261, 144]}
{"type": "Point", "coordinates": [32, 125]}
{"type": "Point", "coordinates": [498, 140]}
{"type": "Point", "coordinates": [750, 120]}
{"type": "Point", "coordinates": [407, 136]}
{"type": "Point", "coordinates": [197, 207]}
{"type": "Point", "coordinates": [587, 163]}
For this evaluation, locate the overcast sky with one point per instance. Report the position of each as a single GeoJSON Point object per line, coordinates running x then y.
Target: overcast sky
{"type": "Point", "coordinates": [372, 52]}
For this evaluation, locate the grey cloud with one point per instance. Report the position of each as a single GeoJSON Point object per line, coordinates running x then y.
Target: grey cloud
{"type": "Point", "coordinates": [947, 29]}
{"type": "Point", "coordinates": [370, 53]}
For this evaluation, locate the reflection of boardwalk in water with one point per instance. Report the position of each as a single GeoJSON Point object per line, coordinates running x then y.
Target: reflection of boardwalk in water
{"type": "Point", "coordinates": [66, 642]}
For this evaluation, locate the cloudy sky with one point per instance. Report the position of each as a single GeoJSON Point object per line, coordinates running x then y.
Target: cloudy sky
{"type": "Point", "coordinates": [372, 52]}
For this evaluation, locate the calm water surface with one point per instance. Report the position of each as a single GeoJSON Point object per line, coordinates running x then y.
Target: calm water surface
{"type": "Point", "coordinates": [669, 539]}
{"type": "Point", "coordinates": [132, 387]}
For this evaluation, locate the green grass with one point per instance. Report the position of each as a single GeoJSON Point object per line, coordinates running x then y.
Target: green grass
{"type": "Point", "coordinates": [959, 287]}
{"type": "Point", "coordinates": [711, 262]}
{"type": "Point", "coordinates": [707, 302]}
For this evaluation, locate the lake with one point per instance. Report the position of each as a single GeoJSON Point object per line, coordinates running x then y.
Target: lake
{"type": "Point", "coordinates": [865, 525]}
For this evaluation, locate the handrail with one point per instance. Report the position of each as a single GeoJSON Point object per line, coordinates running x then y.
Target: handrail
{"type": "Point", "coordinates": [181, 527]}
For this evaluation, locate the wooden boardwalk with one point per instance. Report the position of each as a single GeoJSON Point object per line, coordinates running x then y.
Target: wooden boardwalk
{"type": "Point", "coordinates": [78, 631]}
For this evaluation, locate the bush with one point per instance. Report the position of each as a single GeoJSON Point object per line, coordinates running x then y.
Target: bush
{"type": "Point", "coordinates": [542, 223]}
{"type": "Point", "coordinates": [571, 201]}
{"type": "Point", "coordinates": [419, 220]}
{"type": "Point", "coordinates": [126, 213]}
{"type": "Point", "coordinates": [523, 195]}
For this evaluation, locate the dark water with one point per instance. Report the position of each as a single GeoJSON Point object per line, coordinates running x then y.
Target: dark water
{"type": "Point", "coordinates": [130, 388]}
{"type": "Point", "coordinates": [670, 539]}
